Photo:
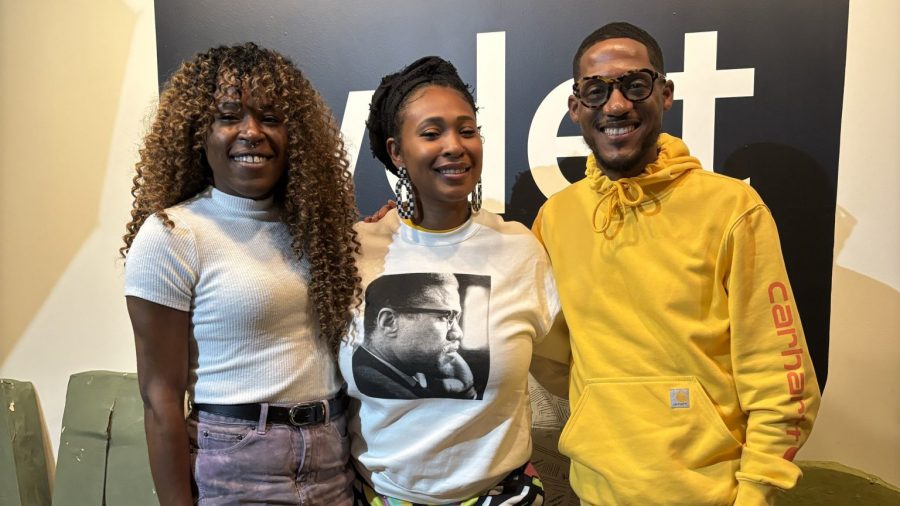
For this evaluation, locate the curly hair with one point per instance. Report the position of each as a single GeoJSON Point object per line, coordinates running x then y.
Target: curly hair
{"type": "Point", "coordinates": [315, 194]}
{"type": "Point", "coordinates": [389, 100]}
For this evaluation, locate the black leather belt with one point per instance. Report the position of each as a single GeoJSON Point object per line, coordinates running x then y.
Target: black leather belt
{"type": "Point", "coordinates": [299, 415]}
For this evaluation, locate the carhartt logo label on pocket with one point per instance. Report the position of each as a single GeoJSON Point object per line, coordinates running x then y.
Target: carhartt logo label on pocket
{"type": "Point", "coordinates": [680, 398]}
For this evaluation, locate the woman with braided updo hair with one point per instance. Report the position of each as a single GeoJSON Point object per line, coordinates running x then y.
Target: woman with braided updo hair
{"type": "Point", "coordinates": [454, 298]}
{"type": "Point", "coordinates": [240, 284]}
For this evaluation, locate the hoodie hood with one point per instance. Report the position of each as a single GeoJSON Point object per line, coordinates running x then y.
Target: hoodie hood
{"type": "Point", "coordinates": [674, 160]}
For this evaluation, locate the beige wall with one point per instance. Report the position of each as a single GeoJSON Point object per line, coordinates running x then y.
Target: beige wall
{"type": "Point", "coordinates": [73, 112]}
{"type": "Point", "coordinates": [58, 92]}
{"type": "Point", "coordinates": [859, 421]}
{"type": "Point", "coordinates": [78, 80]}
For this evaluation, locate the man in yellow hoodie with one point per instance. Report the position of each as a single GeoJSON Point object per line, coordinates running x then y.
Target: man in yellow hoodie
{"type": "Point", "coordinates": [690, 378]}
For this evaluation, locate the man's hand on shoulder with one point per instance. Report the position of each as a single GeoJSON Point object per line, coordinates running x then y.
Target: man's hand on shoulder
{"type": "Point", "coordinates": [379, 214]}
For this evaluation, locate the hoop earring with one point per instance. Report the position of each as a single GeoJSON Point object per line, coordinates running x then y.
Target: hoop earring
{"type": "Point", "coordinates": [406, 199]}
{"type": "Point", "coordinates": [475, 199]}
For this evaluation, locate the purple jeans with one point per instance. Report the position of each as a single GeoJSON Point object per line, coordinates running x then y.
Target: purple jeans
{"type": "Point", "coordinates": [241, 462]}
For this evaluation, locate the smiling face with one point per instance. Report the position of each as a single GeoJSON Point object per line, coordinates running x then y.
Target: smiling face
{"type": "Point", "coordinates": [247, 146]}
{"type": "Point", "coordinates": [440, 146]}
{"type": "Point", "coordinates": [622, 134]}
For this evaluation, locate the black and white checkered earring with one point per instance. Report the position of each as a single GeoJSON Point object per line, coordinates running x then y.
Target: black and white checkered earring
{"type": "Point", "coordinates": [406, 199]}
{"type": "Point", "coordinates": [475, 199]}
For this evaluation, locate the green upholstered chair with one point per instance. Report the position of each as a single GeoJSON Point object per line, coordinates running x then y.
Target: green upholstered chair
{"type": "Point", "coordinates": [102, 450]}
{"type": "Point", "coordinates": [830, 483]}
{"type": "Point", "coordinates": [24, 480]}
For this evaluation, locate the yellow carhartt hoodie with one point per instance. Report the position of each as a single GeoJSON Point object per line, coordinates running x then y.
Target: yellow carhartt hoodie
{"type": "Point", "coordinates": [690, 378]}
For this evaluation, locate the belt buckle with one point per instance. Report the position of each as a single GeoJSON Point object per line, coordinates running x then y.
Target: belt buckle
{"type": "Point", "coordinates": [309, 413]}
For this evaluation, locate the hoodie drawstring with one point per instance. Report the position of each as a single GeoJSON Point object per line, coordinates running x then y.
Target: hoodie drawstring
{"type": "Point", "coordinates": [617, 199]}
{"type": "Point", "coordinates": [672, 161]}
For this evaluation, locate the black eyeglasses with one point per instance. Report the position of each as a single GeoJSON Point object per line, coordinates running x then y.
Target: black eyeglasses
{"type": "Point", "coordinates": [449, 316]}
{"type": "Point", "coordinates": [635, 85]}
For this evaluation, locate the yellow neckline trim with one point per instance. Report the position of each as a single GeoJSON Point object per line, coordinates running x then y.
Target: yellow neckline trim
{"type": "Point", "coordinates": [410, 224]}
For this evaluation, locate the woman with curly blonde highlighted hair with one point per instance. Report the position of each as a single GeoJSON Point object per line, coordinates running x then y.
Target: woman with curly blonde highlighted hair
{"type": "Point", "coordinates": [240, 284]}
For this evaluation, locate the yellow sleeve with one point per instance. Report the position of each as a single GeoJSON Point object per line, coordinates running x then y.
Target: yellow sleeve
{"type": "Point", "coordinates": [552, 359]}
{"type": "Point", "coordinates": [536, 226]}
{"type": "Point", "coordinates": [552, 356]}
{"type": "Point", "coordinates": [773, 373]}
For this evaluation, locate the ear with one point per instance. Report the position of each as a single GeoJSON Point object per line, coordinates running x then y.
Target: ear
{"type": "Point", "coordinates": [387, 321]}
{"type": "Point", "coordinates": [668, 95]}
{"type": "Point", "coordinates": [574, 105]}
{"type": "Point", "coordinates": [393, 148]}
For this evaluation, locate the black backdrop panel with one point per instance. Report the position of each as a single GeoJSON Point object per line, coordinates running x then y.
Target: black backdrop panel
{"type": "Point", "coordinates": [784, 137]}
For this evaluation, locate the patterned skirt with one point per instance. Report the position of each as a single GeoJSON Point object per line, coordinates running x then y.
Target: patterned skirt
{"type": "Point", "coordinates": [521, 487]}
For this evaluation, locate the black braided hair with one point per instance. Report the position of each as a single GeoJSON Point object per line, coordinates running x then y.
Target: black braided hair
{"type": "Point", "coordinates": [390, 98]}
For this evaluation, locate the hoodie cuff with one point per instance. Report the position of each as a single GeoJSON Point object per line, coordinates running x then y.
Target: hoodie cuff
{"type": "Point", "coordinates": [751, 493]}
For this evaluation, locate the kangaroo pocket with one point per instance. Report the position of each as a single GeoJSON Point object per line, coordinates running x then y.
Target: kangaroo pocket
{"type": "Point", "coordinates": [653, 440]}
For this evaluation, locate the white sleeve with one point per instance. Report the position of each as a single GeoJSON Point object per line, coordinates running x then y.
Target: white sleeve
{"type": "Point", "coordinates": [162, 265]}
{"type": "Point", "coordinates": [545, 292]}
